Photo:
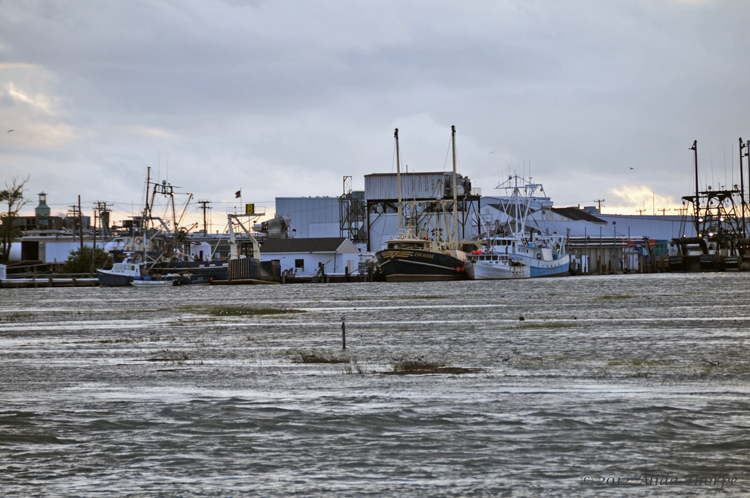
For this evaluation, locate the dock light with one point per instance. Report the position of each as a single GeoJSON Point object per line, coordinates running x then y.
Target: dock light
{"type": "Point", "coordinates": [700, 220]}
{"type": "Point", "coordinates": [721, 218]}
{"type": "Point", "coordinates": [710, 234]}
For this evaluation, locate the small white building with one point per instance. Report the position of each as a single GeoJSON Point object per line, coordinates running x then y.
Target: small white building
{"type": "Point", "coordinates": [302, 257]}
{"type": "Point", "coordinates": [48, 247]}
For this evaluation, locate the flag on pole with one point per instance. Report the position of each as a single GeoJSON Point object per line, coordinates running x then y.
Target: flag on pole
{"type": "Point", "coordinates": [238, 194]}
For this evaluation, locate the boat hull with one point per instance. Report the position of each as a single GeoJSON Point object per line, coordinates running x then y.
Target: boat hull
{"type": "Point", "coordinates": [534, 268]}
{"type": "Point", "coordinates": [555, 268]}
{"type": "Point", "coordinates": [109, 279]}
{"type": "Point", "coordinates": [414, 265]}
{"type": "Point", "coordinates": [212, 270]}
{"type": "Point", "coordinates": [492, 270]}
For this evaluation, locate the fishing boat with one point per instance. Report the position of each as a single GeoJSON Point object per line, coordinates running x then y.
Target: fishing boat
{"type": "Point", "coordinates": [517, 250]}
{"type": "Point", "coordinates": [120, 274]}
{"type": "Point", "coordinates": [497, 262]}
{"type": "Point", "coordinates": [412, 255]}
{"type": "Point", "coordinates": [720, 239]}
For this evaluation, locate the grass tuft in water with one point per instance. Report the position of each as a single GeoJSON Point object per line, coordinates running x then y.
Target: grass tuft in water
{"type": "Point", "coordinates": [241, 311]}
{"type": "Point", "coordinates": [319, 358]}
{"type": "Point", "coordinates": [422, 367]}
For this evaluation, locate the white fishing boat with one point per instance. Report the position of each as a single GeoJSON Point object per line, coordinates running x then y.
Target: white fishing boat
{"type": "Point", "coordinates": [497, 262]}
{"type": "Point", "coordinates": [120, 274]}
{"type": "Point", "coordinates": [517, 250]}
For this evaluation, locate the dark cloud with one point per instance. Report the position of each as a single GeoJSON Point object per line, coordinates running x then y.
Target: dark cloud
{"type": "Point", "coordinates": [284, 99]}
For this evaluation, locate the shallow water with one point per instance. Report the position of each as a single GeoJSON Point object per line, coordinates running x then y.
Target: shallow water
{"type": "Point", "coordinates": [130, 392]}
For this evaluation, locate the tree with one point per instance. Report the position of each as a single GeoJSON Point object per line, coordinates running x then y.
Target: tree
{"type": "Point", "coordinates": [12, 196]}
{"type": "Point", "coordinates": [79, 260]}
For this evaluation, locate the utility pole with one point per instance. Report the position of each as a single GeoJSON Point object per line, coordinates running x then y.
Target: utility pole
{"type": "Point", "coordinates": [92, 269]}
{"type": "Point", "coordinates": [74, 214]}
{"type": "Point", "coordinates": [599, 201]}
{"type": "Point", "coordinates": [205, 207]}
{"type": "Point", "coordinates": [101, 208]}
{"type": "Point", "coordinates": [80, 221]}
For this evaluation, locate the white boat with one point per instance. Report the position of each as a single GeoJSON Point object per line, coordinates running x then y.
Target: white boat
{"type": "Point", "coordinates": [121, 273]}
{"type": "Point", "coordinates": [517, 250]}
{"type": "Point", "coordinates": [497, 263]}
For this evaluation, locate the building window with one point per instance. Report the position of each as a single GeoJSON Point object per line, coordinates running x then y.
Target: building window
{"type": "Point", "coordinates": [299, 263]}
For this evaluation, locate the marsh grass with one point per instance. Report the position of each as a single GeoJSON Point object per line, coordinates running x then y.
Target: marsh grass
{"type": "Point", "coordinates": [240, 311]}
{"type": "Point", "coordinates": [318, 358]}
{"type": "Point", "coordinates": [422, 367]}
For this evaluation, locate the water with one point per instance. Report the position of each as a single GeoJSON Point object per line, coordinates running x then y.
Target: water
{"type": "Point", "coordinates": [128, 392]}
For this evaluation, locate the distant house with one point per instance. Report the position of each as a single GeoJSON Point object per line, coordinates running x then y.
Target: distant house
{"type": "Point", "coordinates": [302, 257]}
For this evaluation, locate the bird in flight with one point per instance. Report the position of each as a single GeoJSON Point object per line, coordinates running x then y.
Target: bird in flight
{"type": "Point", "coordinates": [10, 131]}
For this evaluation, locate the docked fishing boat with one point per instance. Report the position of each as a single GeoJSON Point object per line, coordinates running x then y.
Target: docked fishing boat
{"type": "Point", "coordinates": [412, 255]}
{"type": "Point", "coordinates": [486, 265]}
{"type": "Point", "coordinates": [720, 235]}
{"type": "Point", "coordinates": [517, 250]}
{"type": "Point", "coordinates": [121, 274]}
{"type": "Point", "coordinates": [412, 259]}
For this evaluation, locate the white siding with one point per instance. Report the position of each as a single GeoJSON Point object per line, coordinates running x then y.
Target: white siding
{"type": "Point", "coordinates": [306, 212]}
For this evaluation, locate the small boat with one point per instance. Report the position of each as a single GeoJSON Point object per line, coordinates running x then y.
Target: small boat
{"type": "Point", "coordinates": [120, 274]}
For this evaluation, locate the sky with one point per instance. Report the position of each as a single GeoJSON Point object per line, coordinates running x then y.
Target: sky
{"type": "Point", "coordinates": [594, 99]}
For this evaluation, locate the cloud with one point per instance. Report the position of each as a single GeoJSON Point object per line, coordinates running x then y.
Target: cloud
{"type": "Point", "coordinates": [284, 99]}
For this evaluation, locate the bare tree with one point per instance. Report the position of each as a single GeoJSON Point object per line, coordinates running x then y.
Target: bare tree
{"type": "Point", "coordinates": [12, 197]}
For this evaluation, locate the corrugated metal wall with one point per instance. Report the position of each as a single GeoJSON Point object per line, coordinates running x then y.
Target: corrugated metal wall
{"type": "Point", "coordinates": [321, 213]}
{"type": "Point", "coordinates": [414, 185]}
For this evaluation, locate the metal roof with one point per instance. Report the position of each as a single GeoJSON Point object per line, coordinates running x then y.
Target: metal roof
{"type": "Point", "coordinates": [323, 244]}
{"type": "Point", "coordinates": [577, 214]}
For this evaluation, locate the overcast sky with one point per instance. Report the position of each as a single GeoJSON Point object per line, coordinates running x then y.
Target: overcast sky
{"type": "Point", "coordinates": [597, 99]}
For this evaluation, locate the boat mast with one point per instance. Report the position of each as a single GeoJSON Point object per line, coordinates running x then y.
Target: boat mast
{"type": "Point", "coordinates": [742, 189]}
{"type": "Point", "coordinates": [696, 202]}
{"type": "Point", "coordinates": [454, 238]}
{"type": "Point", "coordinates": [146, 214]}
{"type": "Point", "coordinates": [398, 180]}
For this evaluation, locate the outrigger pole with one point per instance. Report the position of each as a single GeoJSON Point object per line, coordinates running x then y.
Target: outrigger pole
{"type": "Point", "coordinates": [696, 201]}
{"type": "Point", "coordinates": [398, 181]}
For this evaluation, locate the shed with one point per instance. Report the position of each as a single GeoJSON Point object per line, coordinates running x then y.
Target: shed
{"type": "Point", "coordinates": [302, 257]}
